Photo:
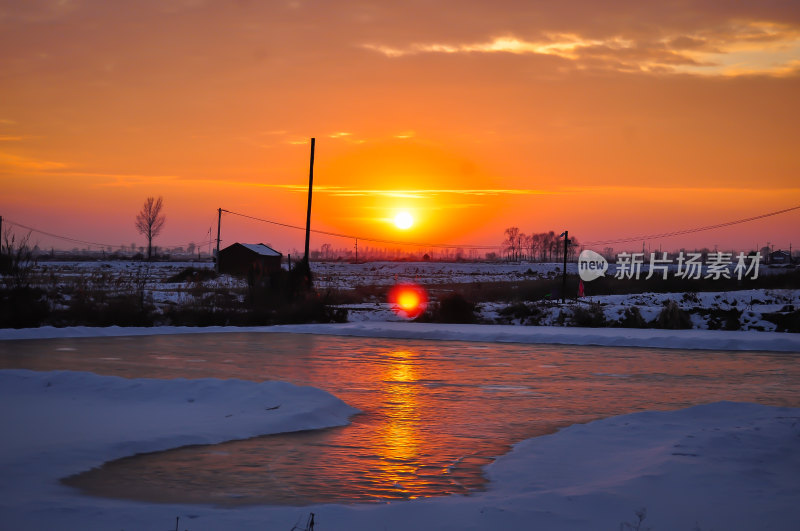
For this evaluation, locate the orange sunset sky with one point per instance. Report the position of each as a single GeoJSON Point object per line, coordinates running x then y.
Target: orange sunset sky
{"type": "Point", "coordinates": [609, 119]}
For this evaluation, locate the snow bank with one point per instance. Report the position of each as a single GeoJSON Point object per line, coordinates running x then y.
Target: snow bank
{"type": "Point", "coordinates": [124, 412]}
{"type": "Point", "coordinates": [718, 466]}
{"type": "Point", "coordinates": [725, 466]}
{"type": "Point", "coordinates": [619, 337]}
{"type": "Point", "coordinates": [60, 423]}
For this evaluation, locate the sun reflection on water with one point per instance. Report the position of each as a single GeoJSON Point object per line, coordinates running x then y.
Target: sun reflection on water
{"type": "Point", "coordinates": [399, 436]}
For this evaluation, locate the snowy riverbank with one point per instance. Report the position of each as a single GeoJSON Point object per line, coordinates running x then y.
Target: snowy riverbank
{"type": "Point", "coordinates": [621, 337]}
{"type": "Point", "coordinates": [61, 423]}
{"type": "Point", "coordinates": [726, 465]}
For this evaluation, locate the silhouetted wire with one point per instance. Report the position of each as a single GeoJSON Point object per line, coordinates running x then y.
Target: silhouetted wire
{"type": "Point", "coordinates": [85, 242]}
{"type": "Point", "coordinates": [363, 239]}
{"type": "Point", "coordinates": [598, 242]}
{"type": "Point", "coordinates": [690, 231]}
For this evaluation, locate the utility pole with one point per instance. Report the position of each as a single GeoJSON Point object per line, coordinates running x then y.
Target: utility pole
{"type": "Point", "coordinates": [308, 212]}
{"type": "Point", "coordinates": [219, 224]}
{"type": "Point", "coordinates": [564, 274]}
{"type": "Point", "coordinates": [356, 250]}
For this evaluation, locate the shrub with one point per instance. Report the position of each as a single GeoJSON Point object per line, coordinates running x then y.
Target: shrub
{"type": "Point", "coordinates": [312, 308]}
{"type": "Point", "coordinates": [786, 321]}
{"type": "Point", "coordinates": [673, 318]}
{"type": "Point", "coordinates": [719, 319]}
{"type": "Point", "coordinates": [453, 308]}
{"type": "Point", "coordinates": [690, 296]}
{"type": "Point", "coordinates": [16, 260]}
{"type": "Point", "coordinates": [193, 274]}
{"type": "Point", "coordinates": [126, 310]}
{"type": "Point", "coordinates": [590, 317]}
{"type": "Point", "coordinates": [632, 318]}
{"type": "Point", "coordinates": [22, 307]}
{"type": "Point", "coordinates": [186, 315]}
{"type": "Point", "coordinates": [529, 314]}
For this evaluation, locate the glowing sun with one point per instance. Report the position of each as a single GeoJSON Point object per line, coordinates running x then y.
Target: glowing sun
{"type": "Point", "coordinates": [408, 300]}
{"type": "Point", "coordinates": [403, 220]}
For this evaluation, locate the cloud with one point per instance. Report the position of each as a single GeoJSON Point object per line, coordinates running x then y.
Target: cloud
{"type": "Point", "coordinates": [124, 180]}
{"type": "Point", "coordinates": [561, 45]}
{"type": "Point", "coordinates": [301, 188]}
{"type": "Point", "coordinates": [426, 193]}
{"type": "Point", "coordinates": [696, 191]}
{"type": "Point", "coordinates": [16, 162]}
{"type": "Point", "coordinates": [731, 49]}
{"type": "Point", "coordinates": [33, 167]}
{"type": "Point", "coordinates": [343, 135]}
{"type": "Point", "coordinates": [743, 49]}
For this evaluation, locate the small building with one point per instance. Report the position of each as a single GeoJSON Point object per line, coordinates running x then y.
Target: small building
{"type": "Point", "coordinates": [242, 258]}
{"type": "Point", "coordinates": [780, 257]}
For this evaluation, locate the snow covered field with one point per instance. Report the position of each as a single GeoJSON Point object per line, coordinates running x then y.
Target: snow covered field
{"type": "Point", "coordinates": [346, 275]}
{"type": "Point", "coordinates": [729, 466]}
{"type": "Point", "coordinates": [741, 310]}
{"type": "Point", "coordinates": [168, 287]}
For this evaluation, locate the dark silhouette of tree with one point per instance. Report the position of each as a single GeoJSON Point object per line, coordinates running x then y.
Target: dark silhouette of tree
{"type": "Point", "coordinates": [16, 260]}
{"type": "Point", "coordinates": [150, 221]}
{"type": "Point", "coordinates": [326, 251]}
{"type": "Point", "coordinates": [544, 246]}
{"type": "Point", "coordinates": [574, 245]}
{"type": "Point", "coordinates": [552, 240]}
{"type": "Point", "coordinates": [510, 242]}
{"type": "Point", "coordinates": [536, 243]}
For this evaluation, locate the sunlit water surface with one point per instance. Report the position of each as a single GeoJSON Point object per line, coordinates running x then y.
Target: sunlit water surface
{"type": "Point", "coordinates": [434, 413]}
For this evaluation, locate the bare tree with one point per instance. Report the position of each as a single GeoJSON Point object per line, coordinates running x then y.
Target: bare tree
{"type": "Point", "coordinates": [526, 245]}
{"type": "Point", "coordinates": [536, 243]}
{"type": "Point", "coordinates": [573, 247]}
{"type": "Point", "coordinates": [326, 251]}
{"type": "Point", "coordinates": [510, 243]}
{"type": "Point", "coordinates": [552, 242]}
{"type": "Point", "coordinates": [150, 221]}
{"type": "Point", "coordinates": [16, 260]}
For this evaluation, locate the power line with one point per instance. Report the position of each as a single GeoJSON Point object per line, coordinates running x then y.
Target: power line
{"type": "Point", "coordinates": [76, 240]}
{"type": "Point", "coordinates": [60, 237]}
{"type": "Point", "coordinates": [599, 242]}
{"type": "Point", "coordinates": [691, 231]}
{"type": "Point", "coordinates": [373, 240]}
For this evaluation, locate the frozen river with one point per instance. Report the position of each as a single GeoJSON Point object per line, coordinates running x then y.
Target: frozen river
{"type": "Point", "coordinates": [434, 412]}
